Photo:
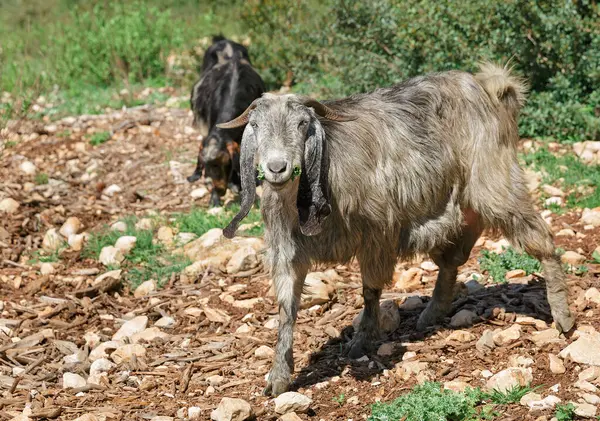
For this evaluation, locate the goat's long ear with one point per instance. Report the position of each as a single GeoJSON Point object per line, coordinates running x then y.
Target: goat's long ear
{"type": "Point", "coordinates": [313, 196]}
{"type": "Point", "coordinates": [248, 174]}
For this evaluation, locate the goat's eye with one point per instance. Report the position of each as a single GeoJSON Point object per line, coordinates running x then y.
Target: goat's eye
{"type": "Point", "coordinates": [254, 125]}
{"type": "Point", "coordinates": [302, 124]}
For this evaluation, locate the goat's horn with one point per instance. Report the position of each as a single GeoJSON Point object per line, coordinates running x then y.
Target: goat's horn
{"type": "Point", "coordinates": [238, 121]}
{"type": "Point", "coordinates": [326, 112]}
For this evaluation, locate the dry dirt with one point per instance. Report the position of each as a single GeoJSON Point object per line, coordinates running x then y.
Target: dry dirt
{"type": "Point", "coordinates": [49, 313]}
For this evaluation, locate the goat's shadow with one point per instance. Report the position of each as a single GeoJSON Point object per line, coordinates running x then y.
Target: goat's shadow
{"type": "Point", "coordinates": [330, 360]}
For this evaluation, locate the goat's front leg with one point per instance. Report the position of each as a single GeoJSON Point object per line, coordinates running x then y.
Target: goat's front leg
{"type": "Point", "coordinates": [288, 278]}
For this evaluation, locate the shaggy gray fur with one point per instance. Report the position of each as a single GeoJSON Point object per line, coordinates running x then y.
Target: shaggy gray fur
{"type": "Point", "coordinates": [423, 167]}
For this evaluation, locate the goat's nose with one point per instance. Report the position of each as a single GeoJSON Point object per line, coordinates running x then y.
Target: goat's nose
{"type": "Point", "coordinates": [277, 166]}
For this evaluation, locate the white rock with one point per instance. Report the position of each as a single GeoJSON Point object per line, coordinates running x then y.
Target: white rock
{"type": "Point", "coordinates": [464, 318]}
{"type": "Point", "coordinates": [111, 256]}
{"type": "Point", "coordinates": [9, 205]}
{"type": "Point", "coordinates": [520, 361]}
{"type": "Point", "coordinates": [592, 295]}
{"type": "Point", "coordinates": [566, 232]}
{"type": "Point", "coordinates": [508, 336]}
{"type": "Point", "coordinates": [515, 273]}
{"type": "Point", "coordinates": [47, 268]}
{"type": "Point", "coordinates": [199, 193]}
{"type": "Point", "coordinates": [585, 410]}
{"type": "Point", "coordinates": [592, 399]}
{"type": "Point", "coordinates": [242, 260]}
{"type": "Point", "coordinates": [111, 190]}
{"type": "Point", "coordinates": [149, 334]}
{"type": "Point", "coordinates": [165, 322]}
{"type": "Point", "coordinates": [317, 289]}
{"type": "Point", "coordinates": [536, 403]}
{"type": "Point", "coordinates": [125, 353]}
{"type": "Point", "coordinates": [215, 315]}
{"type": "Point", "coordinates": [461, 336]}
{"type": "Point", "coordinates": [183, 238]}
{"type": "Point", "coordinates": [585, 350]}
{"type": "Point", "coordinates": [126, 243]}
{"type": "Point", "coordinates": [76, 241]}
{"type": "Point", "coordinates": [101, 365]}
{"type": "Point", "coordinates": [585, 385]}
{"type": "Point", "coordinates": [161, 418]}
{"type": "Point", "coordinates": [130, 328]}
{"type": "Point", "coordinates": [72, 380]}
{"type": "Point", "coordinates": [556, 364]}
{"type": "Point", "coordinates": [52, 240]}
{"type": "Point", "coordinates": [119, 226]}
{"type": "Point", "coordinates": [509, 378]}
{"type": "Point", "coordinates": [92, 339]}
{"type": "Point", "coordinates": [590, 374]}
{"type": "Point", "coordinates": [144, 224]}
{"type": "Point", "coordinates": [272, 323]}
{"type": "Point", "coordinates": [145, 288]}
{"type": "Point", "coordinates": [552, 191]}
{"type": "Point", "coordinates": [194, 413]}
{"type": "Point", "coordinates": [232, 409]}
{"type": "Point", "coordinates": [292, 402]}
{"type": "Point", "coordinates": [215, 211]}
{"type": "Point", "coordinates": [545, 337]}
{"type": "Point", "coordinates": [264, 352]}
{"type": "Point", "coordinates": [165, 235]}
{"type": "Point", "coordinates": [71, 227]}
{"type": "Point", "coordinates": [456, 386]}
{"type": "Point", "coordinates": [429, 266]}
{"type": "Point", "coordinates": [572, 258]}
{"type": "Point", "coordinates": [101, 351]}
{"type": "Point", "coordinates": [28, 168]}
{"type": "Point", "coordinates": [408, 280]}
{"type": "Point", "coordinates": [591, 217]}
{"type": "Point", "coordinates": [215, 380]}
{"type": "Point", "coordinates": [211, 237]}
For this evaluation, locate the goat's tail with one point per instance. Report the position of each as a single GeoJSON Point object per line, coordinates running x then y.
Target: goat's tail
{"type": "Point", "coordinates": [498, 82]}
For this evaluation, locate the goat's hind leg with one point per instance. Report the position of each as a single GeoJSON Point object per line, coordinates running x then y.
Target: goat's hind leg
{"type": "Point", "coordinates": [528, 231]}
{"type": "Point", "coordinates": [288, 278]}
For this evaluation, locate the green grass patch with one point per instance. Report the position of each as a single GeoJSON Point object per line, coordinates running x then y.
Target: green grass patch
{"type": "Point", "coordinates": [595, 257]}
{"type": "Point", "coordinates": [430, 402]}
{"type": "Point", "coordinates": [565, 412]}
{"type": "Point", "coordinates": [570, 173]}
{"type": "Point", "coordinates": [512, 395]}
{"type": "Point", "coordinates": [42, 256]}
{"type": "Point", "coordinates": [41, 178]}
{"type": "Point", "coordinates": [10, 144]}
{"type": "Point", "coordinates": [99, 138]}
{"type": "Point", "coordinates": [198, 221]}
{"type": "Point", "coordinates": [497, 265]}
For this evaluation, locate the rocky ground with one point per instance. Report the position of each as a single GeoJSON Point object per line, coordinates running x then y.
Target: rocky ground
{"type": "Point", "coordinates": [78, 342]}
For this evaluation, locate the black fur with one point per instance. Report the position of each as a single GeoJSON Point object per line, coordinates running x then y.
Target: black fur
{"type": "Point", "coordinates": [227, 86]}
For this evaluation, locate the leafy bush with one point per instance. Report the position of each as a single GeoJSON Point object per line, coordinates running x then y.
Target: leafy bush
{"type": "Point", "coordinates": [348, 46]}
{"type": "Point", "coordinates": [496, 265]}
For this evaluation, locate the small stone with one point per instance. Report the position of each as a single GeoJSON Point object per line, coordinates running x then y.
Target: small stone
{"type": "Point", "coordinates": [101, 366]}
{"type": "Point", "coordinates": [592, 399]}
{"type": "Point", "coordinates": [216, 315]}
{"type": "Point", "coordinates": [194, 413]}
{"type": "Point", "coordinates": [101, 350]}
{"type": "Point", "coordinates": [199, 193]}
{"type": "Point", "coordinates": [545, 337]}
{"type": "Point", "coordinates": [111, 256]}
{"type": "Point", "coordinates": [429, 266]}
{"type": "Point", "coordinates": [92, 339]}
{"type": "Point", "coordinates": [572, 258]}
{"type": "Point", "coordinates": [210, 237]}
{"type": "Point", "coordinates": [145, 288]}
{"type": "Point", "coordinates": [144, 224]}
{"type": "Point", "coordinates": [242, 260]}
{"type": "Point", "coordinates": [73, 381]}
{"type": "Point", "coordinates": [332, 332]}
{"type": "Point", "coordinates": [272, 324]}
{"type": "Point", "coordinates": [508, 336]}
{"type": "Point", "coordinates": [126, 243]}
{"type": "Point", "coordinates": [264, 352]}
{"type": "Point", "coordinates": [486, 343]}
{"type": "Point", "coordinates": [47, 268]}
{"type": "Point", "coordinates": [585, 385]}
{"type": "Point", "coordinates": [215, 380]}
{"type": "Point", "coordinates": [520, 361]}
{"type": "Point", "coordinates": [232, 409]}
{"type": "Point", "coordinates": [126, 352]}
{"type": "Point", "coordinates": [509, 378]}
{"type": "Point", "coordinates": [292, 416]}
{"type": "Point", "coordinates": [464, 318]}
{"type": "Point", "coordinates": [530, 397]}
{"type": "Point", "coordinates": [161, 418]}
{"type": "Point", "coordinates": [486, 374]}
{"type": "Point", "coordinates": [456, 386]}
{"type": "Point", "coordinates": [76, 241]}
{"type": "Point", "coordinates": [566, 232]}
{"type": "Point", "coordinates": [585, 410]}
{"type": "Point", "coordinates": [111, 190]}
{"type": "Point", "coordinates": [389, 317]}
{"type": "Point", "coordinates": [317, 289]}
{"type": "Point", "coordinates": [552, 191]}
{"type": "Point", "coordinates": [165, 322]}
{"type": "Point", "coordinates": [119, 226]}
{"type": "Point", "coordinates": [592, 295]}
{"type": "Point", "coordinates": [409, 280]}
{"type": "Point", "coordinates": [585, 350]}
{"type": "Point", "coordinates": [165, 235]}
{"type": "Point", "coordinates": [591, 217]}
{"type": "Point", "coordinates": [461, 336]}
{"type": "Point", "coordinates": [590, 374]}
{"type": "Point", "coordinates": [131, 327]}
{"type": "Point", "coordinates": [149, 334]}
{"type": "Point", "coordinates": [9, 205]}
{"type": "Point", "coordinates": [516, 273]}
{"type": "Point", "coordinates": [71, 227]}
{"type": "Point", "coordinates": [536, 403]}
{"type": "Point", "coordinates": [52, 241]}
{"type": "Point", "coordinates": [28, 168]}
{"type": "Point", "coordinates": [556, 364]}
{"type": "Point", "coordinates": [292, 402]}
{"type": "Point", "coordinates": [411, 304]}
{"type": "Point", "coordinates": [386, 349]}
{"type": "Point", "coordinates": [183, 238]}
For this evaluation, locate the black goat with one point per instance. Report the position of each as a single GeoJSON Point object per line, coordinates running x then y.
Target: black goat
{"type": "Point", "coordinates": [227, 86]}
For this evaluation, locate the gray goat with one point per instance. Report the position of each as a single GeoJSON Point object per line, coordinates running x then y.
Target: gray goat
{"type": "Point", "coordinates": [420, 167]}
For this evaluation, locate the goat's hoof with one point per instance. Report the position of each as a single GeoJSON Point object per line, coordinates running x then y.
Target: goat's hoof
{"type": "Point", "coordinates": [431, 316]}
{"type": "Point", "coordinates": [564, 321]}
{"type": "Point", "coordinates": [277, 387]}
{"type": "Point", "coordinates": [193, 177]}
{"type": "Point", "coordinates": [360, 345]}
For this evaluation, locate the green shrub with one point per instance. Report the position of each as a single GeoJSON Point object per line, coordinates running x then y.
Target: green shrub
{"type": "Point", "coordinates": [348, 46]}
{"type": "Point", "coordinates": [496, 265]}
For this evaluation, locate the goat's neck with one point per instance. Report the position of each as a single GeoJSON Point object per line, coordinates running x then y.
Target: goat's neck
{"type": "Point", "coordinates": [280, 212]}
